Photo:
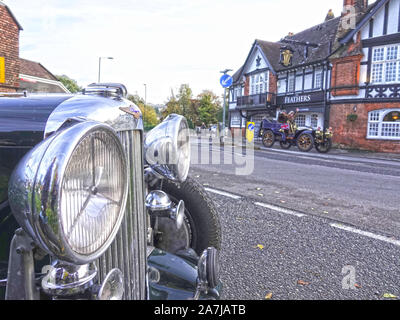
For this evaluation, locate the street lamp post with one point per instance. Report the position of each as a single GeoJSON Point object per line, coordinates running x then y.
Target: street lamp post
{"type": "Point", "coordinates": [110, 58]}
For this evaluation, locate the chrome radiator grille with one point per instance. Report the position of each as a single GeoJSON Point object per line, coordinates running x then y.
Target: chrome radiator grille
{"type": "Point", "coordinates": [128, 251]}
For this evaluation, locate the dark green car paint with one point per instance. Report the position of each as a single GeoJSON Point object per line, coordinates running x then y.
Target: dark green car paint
{"type": "Point", "coordinates": [174, 278]}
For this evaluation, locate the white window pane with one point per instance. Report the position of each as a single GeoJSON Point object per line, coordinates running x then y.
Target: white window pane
{"type": "Point", "coordinates": [391, 53]}
{"type": "Point", "coordinates": [301, 120]}
{"type": "Point", "coordinates": [378, 54]}
{"type": "Point", "coordinates": [391, 71]}
{"type": "Point", "coordinates": [373, 129]}
{"type": "Point", "coordinates": [314, 120]}
{"type": "Point", "coordinates": [377, 73]}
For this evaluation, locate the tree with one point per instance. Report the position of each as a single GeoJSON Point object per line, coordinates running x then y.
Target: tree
{"type": "Point", "coordinates": [69, 83]}
{"type": "Point", "coordinates": [209, 107]}
{"type": "Point", "coordinates": [150, 119]}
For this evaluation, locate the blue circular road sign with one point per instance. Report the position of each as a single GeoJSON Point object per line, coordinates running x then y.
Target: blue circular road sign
{"type": "Point", "coordinates": [226, 81]}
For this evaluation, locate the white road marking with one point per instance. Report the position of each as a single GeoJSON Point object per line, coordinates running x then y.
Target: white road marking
{"type": "Point", "coordinates": [366, 234]}
{"type": "Point", "coordinates": [393, 162]}
{"type": "Point", "coordinates": [280, 209]}
{"type": "Point", "coordinates": [222, 193]}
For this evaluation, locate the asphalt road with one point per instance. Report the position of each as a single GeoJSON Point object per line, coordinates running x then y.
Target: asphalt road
{"type": "Point", "coordinates": [306, 226]}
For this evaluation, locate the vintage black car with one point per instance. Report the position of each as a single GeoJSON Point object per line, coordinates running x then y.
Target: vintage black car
{"type": "Point", "coordinates": [92, 209]}
{"type": "Point", "coordinates": [305, 138]}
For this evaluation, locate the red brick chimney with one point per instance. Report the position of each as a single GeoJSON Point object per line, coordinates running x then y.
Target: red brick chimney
{"type": "Point", "coordinates": [359, 5]}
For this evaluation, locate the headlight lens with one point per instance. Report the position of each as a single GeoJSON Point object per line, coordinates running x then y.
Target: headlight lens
{"type": "Point", "coordinates": [69, 192]}
{"type": "Point", "coordinates": [167, 148]}
{"type": "Point", "coordinates": [92, 193]}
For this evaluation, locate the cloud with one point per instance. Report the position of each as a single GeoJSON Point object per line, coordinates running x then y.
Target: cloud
{"type": "Point", "coordinates": [162, 43]}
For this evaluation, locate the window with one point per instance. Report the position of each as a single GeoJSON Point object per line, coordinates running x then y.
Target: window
{"type": "Point", "coordinates": [385, 64]}
{"type": "Point", "coordinates": [235, 120]}
{"type": "Point", "coordinates": [282, 86]}
{"type": "Point", "coordinates": [318, 79]}
{"type": "Point", "coordinates": [259, 83]}
{"type": "Point", "coordinates": [384, 124]}
{"type": "Point", "coordinates": [292, 82]}
{"type": "Point", "coordinates": [301, 120]}
{"type": "Point", "coordinates": [314, 121]}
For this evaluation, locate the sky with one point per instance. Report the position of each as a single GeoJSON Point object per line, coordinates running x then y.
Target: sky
{"type": "Point", "coordinates": [160, 43]}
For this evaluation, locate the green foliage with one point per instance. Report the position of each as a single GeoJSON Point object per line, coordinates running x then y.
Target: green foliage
{"type": "Point", "coordinates": [149, 114]}
{"type": "Point", "coordinates": [209, 107]}
{"type": "Point", "coordinates": [205, 108]}
{"type": "Point", "coordinates": [352, 117]}
{"type": "Point", "coordinates": [69, 83]}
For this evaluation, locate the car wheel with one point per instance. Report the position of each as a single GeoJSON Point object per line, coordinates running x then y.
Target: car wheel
{"type": "Point", "coordinates": [285, 144]}
{"type": "Point", "coordinates": [268, 138]}
{"type": "Point", "coordinates": [305, 142]}
{"type": "Point", "coordinates": [201, 228]}
{"type": "Point", "coordinates": [325, 146]}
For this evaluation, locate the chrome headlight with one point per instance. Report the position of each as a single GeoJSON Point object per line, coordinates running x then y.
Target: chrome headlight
{"type": "Point", "coordinates": [69, 192]}
{"type": "Point", "coordinates": [167, 148]}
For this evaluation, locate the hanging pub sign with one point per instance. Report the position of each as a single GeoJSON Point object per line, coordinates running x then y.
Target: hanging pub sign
{"type": "Point", "coordinates": [286, 56]}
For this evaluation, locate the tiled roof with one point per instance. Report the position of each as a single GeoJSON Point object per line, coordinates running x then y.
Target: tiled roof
{"type": "Point", "coordinates": [322, 35]}
{"type": "Point", "coordinates": [35, 69]}
{"type": "Point", "coordinates": [271, 51]}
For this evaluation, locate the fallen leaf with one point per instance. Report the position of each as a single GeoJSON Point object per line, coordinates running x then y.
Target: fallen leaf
{"type": "Point", "coordinates": [260, 246]}
{"type": "Point", "coordinates": [261, 195]}
{"type": "Point", "coordinates": [283, 201]}
{"type": "Point", "coordinates": [268, 296]}
{"type": "Point", "coordinates": [326, 212]}
{"type": "Point", "coordinates": [302, 283]}
{"type": "Point", "coordinates": [389, 296]}
{"type": "Point", "coordinates": [258, 189]}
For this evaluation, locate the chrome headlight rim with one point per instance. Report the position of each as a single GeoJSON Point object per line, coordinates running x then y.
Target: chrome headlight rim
{"type": "Point", "coordinates": [41, 214]}
{"type": "Point", "coordinates": [165, 138]}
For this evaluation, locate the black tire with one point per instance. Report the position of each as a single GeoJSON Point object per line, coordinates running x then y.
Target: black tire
{"type": "Point", "coordinates": [324, 147]}
{"type": "Point", "coordinates": [268, 138]}
{"type": "Point", "coordinates": [202, 218]}
{"type": "Point", "coordinates": [305, 142]}
{"type": "Point", "coordinates": [285, 145]}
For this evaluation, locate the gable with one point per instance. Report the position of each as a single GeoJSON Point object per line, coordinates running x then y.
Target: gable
{"type": "Point", "coordinates": [257, 61]}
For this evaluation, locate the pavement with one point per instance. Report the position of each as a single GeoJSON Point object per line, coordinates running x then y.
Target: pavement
{"type": "Point", "coordinates": [306, 225]}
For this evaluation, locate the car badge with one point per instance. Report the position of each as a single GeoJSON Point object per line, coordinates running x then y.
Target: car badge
{"type": "Point", "coordinates": [132, 110]}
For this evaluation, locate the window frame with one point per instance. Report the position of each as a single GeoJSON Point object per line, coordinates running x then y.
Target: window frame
{"type": "Point", "coordinates": [382, 58]}
{"type": "Point", "coordinates": [376, 125]}
{"type": "Point", "coordinates": [259, 83]}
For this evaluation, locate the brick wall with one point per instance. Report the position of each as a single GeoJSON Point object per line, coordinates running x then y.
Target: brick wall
{"type": "Point", "coordinates": [9, 49]}
{"type": "Point", "coordinates": [346, 75]}
{"type": "Point", "coordinates": [353, 134]}
{"type": "Point", "coordinates": [247, 86]}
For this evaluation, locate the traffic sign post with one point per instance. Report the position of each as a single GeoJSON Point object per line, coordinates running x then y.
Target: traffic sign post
{"type": "Point", "coordinates": [226, 81]}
